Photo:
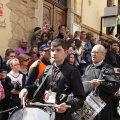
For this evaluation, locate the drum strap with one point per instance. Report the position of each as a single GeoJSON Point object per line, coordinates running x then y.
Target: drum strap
{"type": "Point", "coordinates": [43, 80]}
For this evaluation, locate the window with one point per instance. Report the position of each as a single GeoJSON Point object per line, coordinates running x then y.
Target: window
{"type": "Point", "coordinates": [62, 2]}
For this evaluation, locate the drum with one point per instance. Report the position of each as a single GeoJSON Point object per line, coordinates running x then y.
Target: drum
{"type": "Point", "coordinates": [29, 113]}
{"type": "Point", "coordinates": [92, 106]}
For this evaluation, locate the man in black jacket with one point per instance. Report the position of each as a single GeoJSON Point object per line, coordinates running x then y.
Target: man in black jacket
{"type": "Point", "coordinates": [60, 80]}
{"type": "Point", "coordinates": [99, 70]}
{"type": "Point", "coordinates": [113, 59]}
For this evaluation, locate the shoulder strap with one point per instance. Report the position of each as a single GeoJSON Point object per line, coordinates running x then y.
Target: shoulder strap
{"type": "Point", "coordinates": [43, 80]}
{"type": "Point", "coordinates": [102, 71]}
{"type": "Point", "coordinates": [41, 67]}
{"type": "Point", "coordinates": [35, 64]}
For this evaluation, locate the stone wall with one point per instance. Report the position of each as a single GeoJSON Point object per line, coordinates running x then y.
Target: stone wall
{"type": "Point", "coordinates": [23, 20]}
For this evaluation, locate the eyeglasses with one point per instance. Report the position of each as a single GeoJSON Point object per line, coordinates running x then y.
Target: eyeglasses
{"type": "Point", "coordinates": [83, 34]}
{"type": "Point", "coordinates": [94, 52]}
{"type": "Point", "coordinates": [25, 42]}
{"type": "Point", "coordinates": [26, 60]}
{"type": "Point", "coordinates": [16, 64]}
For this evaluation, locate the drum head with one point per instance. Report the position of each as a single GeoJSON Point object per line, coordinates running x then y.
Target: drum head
{"type": "Point", "coordinates": [29, 113]}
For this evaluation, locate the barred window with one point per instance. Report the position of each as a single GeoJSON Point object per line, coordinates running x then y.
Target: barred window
{"type": "Point", "coordinates": [62, 2]}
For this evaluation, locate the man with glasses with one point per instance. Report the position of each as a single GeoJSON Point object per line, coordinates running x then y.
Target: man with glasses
{"type": "Point", "coordinates": [23, 48]}
{"type": "Point", "coordinates": [97, 71]}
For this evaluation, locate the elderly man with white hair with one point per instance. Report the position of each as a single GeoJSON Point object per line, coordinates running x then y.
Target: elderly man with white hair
{"type": "Point", "coordinates": [106, 89]}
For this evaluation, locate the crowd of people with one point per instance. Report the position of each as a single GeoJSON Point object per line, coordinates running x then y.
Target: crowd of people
{"type": "Point", "coordinates": [58, 65]}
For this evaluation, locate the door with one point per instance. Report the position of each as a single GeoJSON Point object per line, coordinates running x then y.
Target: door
{"type": "Point", "coordinates": [54, 15]}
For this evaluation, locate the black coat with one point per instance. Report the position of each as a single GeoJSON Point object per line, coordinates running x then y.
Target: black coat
{"type": "Point", "coordinates": [66, 81]}
{"type": "Point", "coordinates": [112, 59]}
{"type": "Point", "coordinates": [106, 89]}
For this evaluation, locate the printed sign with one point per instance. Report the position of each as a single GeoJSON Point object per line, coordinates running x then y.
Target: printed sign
{"type": "Point", "coordinates": [1, 9]}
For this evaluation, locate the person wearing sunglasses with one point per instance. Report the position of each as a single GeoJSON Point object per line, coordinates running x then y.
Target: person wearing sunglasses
{"type": "Point", "coordinates": [24, 60]}
{"type": "Point", "coordinates": [37, 68]}
{"type": "Point", "coordinates": [44, 39]}
{"type": "Point", "coordinates": [23, 47]}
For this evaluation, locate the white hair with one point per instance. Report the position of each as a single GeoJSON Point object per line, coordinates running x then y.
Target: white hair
{"type": "Point", "coordinates": [102, 48]}
{"type": "Point", "coordinates": [12, 61]}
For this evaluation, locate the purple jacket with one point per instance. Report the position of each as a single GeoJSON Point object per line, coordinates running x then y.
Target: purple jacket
{"type": "Point", "coordinates": [20, 51]}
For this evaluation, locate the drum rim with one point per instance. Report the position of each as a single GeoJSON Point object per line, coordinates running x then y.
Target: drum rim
{"type": "Point", "coordinates": [11, 113]}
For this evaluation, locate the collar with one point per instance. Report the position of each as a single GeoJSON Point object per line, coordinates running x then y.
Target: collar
{"type": "Point", "coordinates": [44, 61]}
{"type": "Point", "coordinates": [98, 64]}
{"type": "Point", "coordinates": [24, 48]}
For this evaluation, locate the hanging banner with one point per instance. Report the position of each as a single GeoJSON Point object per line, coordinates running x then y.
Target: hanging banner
{"type": "Point", "coordinates": [1, 9]}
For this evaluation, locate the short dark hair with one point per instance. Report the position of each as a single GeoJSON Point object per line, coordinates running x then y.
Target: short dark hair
{"type": "Point", "coordinates": [8, 51]}
{"type": "Point", "coordinates": [36, 28]}
{"type": "Point", "coordinates": [77, 43]}
{"type": "Point", "coordinates": [113, 41]}
{"type": "Point", "coordinates": [69, 42]}
{"type": "Point", "coordinates": [60, 26]}
{"type": "Point", "coordinates": [59, 42]}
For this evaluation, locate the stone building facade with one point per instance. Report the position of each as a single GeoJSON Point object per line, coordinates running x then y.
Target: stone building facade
{"type": "Point", "coordinates": [23, 20]}
{"type": "Point", "coordinates": [20, 17]}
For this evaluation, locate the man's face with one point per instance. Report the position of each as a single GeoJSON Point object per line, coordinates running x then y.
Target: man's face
{"type": "Point", "coordinates": [97, 55]}
{"type": "Point", "coordinates": [24, 43]}
{"type": "Point", "coordinates": [45, 54]}
{"type": "Point", "coordinates": [11, 56]}
{"type": "Point", "coordinates": [114, 46]}
{"type": "Point", "coordinates": [58, 54]}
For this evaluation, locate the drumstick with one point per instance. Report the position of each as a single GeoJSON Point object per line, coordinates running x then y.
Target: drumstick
{"type": "Point", "coordinates": [51, 105]}
{"type": "Point", "coordinates": [92, 81]}
{"type": "Point", "coordinates": [23, 102]}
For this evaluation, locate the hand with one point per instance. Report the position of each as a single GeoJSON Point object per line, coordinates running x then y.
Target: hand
{"type": "Point", "coordinates": [118, 70]}
{"type": "Point", "coordinates": [61, 108]}
{"type": "Point", "coordinates": [95, 82]}
{"type": "Point", "coordinates": [23, 93]}
{"type": "Point", "coordinates": [3, 75]}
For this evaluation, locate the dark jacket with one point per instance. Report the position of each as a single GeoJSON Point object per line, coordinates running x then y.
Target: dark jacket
{"type": "Point", "coordinates": [112, 59]}
{"type": "Point", "coordinates": [106, 89]}
{"type": "Point", "coordinates": [33, 73]}
{"type": "Point", "coordinates": [67, 81]}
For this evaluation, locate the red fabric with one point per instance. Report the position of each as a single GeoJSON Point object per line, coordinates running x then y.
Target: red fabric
{"type": "Point", "coordinates": [2, 93]}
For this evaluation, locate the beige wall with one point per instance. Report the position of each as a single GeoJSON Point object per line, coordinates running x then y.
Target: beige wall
{"type": "Point", "coordinates": [5, 33]}
{"type": "Point", "coordinates": [92, 13]}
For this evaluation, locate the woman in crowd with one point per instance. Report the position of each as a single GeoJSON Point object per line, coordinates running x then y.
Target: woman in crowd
{"type": "Point", "coordinates": [4, 93]}
{"type": "Point", "coordinates": [71, 46]}
{"type": "Point", "coordinates": [44, 39]}
{"type": "Point", "coordinates": [34, 48]}
{"type": "Point", "coordinates": [24, 60]}
{"type": "Point", "coordinates": [70, 59]}
{"type": "Point", "coordinates": [14, 82]}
